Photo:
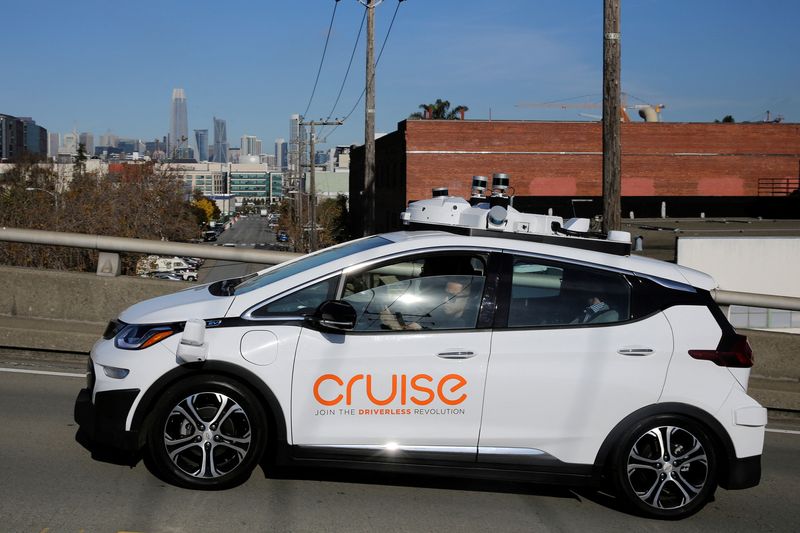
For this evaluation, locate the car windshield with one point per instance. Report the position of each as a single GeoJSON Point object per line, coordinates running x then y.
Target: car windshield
{"type": "Point", "coordinates": [310, 261]}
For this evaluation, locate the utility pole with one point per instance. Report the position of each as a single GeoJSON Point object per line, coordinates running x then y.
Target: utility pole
{"type": "Point", "coordinates": [312, 200]}
{"type": "Point", "coordinates": [611, 116]}
{"type": "Point", "coordinates": [369, 123]}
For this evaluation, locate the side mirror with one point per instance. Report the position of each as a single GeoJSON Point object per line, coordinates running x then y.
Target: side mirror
{"type": "Point", "coordinates": [334, 314]}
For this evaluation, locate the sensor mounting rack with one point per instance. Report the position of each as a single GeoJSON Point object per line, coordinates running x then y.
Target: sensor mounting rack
{"type": "Point", "coordinates": [458, 216]}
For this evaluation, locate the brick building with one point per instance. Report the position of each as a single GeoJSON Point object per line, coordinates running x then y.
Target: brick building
{"type": "Point", "coordinates": [721, 169]}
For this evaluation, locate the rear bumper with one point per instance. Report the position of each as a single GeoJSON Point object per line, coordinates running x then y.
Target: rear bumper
{"type": "Point", "coordinates": [103, 421]}
{"type": "Point", "coordinates": [742, 473]}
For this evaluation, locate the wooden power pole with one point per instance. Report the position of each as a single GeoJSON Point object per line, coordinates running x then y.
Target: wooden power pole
{"type": "Point", "coordinates": [369, 124]}
{"type": "Point", "coordinates": [312, 191]}
{"type": "Point", "coordinates": [611, 116]}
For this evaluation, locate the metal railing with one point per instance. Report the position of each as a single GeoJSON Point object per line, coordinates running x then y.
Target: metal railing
{"type": "Point", "coordinates": [268, 257]}
{"type": "Point", "coordinates": [144, 246]}
{"type": "Point", "coordinates": [777, 186]}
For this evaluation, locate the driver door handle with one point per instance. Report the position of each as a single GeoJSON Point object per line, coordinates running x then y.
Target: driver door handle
{"type": "Point", "coordinates": [456, 354]}
{"type": "Point", "coordinates": [635, 351]}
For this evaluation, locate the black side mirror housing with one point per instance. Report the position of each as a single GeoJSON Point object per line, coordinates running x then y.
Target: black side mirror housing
{"type": "Point", "coordinates": [334, 314]}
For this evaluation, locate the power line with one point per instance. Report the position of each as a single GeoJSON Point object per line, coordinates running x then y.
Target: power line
{"type": "Point", "coordinates": [321, 61]}
{"type": "Point", "coordinates": [347, 72]}
{"type": "Point", "coordinates": [377, 61]}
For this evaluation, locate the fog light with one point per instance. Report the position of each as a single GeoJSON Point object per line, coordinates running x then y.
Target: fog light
{"type": "Point", "coordinates": [114, 372]}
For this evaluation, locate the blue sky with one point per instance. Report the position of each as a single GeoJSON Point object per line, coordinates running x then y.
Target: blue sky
{"type": "Point", "coordinates": [98, 66]}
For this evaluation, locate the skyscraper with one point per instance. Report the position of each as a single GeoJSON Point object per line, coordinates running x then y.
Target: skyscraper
{"type": "Point", "coordinates": [201, 138]}
{"type": "Point", "coordinates": [281, 153]}
{"type": "Point", "coordinates": [69, 143]}
{"type": "Point", "coordinates": [178, 124]}
{"type": "Point", "coordinates": [251, 145]}
{"type": "Point", "coordinates": [52, 145]}
{"type": "Point", "coordinates": [220, 141]}
{"type": "Point", "coordinates": [87, 140]}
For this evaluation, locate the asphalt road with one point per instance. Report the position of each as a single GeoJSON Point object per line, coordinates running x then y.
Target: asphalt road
{"type": "Point", "coordinates": [51, 483]}
{"type": "Point", "coordinates": [248, 232]}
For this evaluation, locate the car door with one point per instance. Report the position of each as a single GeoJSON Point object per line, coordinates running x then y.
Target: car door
{"type": "Point", "coordinates": [410, 375]}
{"type": "Point", "coordinates": [565, 369]}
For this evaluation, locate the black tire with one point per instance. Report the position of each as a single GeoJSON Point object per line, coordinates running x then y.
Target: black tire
{"type": "Point", "coordinates": [666, 467]}
{"type": "Point", "coordinates": [207, 432]}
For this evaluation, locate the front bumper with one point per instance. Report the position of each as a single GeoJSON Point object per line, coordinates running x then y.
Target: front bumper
{"type": "Point", "coordinates": [103, 421]}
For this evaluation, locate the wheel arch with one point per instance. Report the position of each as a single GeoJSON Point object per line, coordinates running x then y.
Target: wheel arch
{"type": "Point", "coordinates": [716, 432]}
{"type": "Point", "coordinates": [272, 408]}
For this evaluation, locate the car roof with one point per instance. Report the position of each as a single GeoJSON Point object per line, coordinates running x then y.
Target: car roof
{"type": "Point", "coordinates": [631, 263]}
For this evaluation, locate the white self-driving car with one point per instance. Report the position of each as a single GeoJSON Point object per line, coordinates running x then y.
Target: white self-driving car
{"type": "Point", "coordinates": [499, 343]}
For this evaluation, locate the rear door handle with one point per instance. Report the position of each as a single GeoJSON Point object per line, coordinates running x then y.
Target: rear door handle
{"type": "Point", "coordinates": [456, 354]}
{"type": "Point", "coordinates": [635, 351]}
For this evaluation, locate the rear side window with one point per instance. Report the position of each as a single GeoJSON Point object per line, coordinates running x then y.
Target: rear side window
{"type": "Point", "coordinates": [545, 293]}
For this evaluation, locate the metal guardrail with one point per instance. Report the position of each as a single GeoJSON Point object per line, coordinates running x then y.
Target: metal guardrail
{"type": "Point", "coordinates": [268, 257]}
{"type": "Point", "coordinates": [124, 244]}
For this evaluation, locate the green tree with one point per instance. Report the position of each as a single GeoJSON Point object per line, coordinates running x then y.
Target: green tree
{"type": "Point", "coordinates": [440, 110]}
{"type": "Point", "coordinates": [727, 119]}
{"type": "Point", "coordinates": [332, 217]}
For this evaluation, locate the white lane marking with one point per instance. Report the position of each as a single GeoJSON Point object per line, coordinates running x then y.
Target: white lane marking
{"type": "Point", "coordinates": [43, 372]}
{"type": "Point", "coordinates": [789, 431]}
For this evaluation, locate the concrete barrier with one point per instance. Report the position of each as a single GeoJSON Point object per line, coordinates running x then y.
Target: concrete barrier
{"type": "Point", "coordinates": [66, 311]}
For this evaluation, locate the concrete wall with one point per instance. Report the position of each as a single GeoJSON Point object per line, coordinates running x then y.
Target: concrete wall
{"type": "Point", "coordinates": [763, 265]}
{"type": "Point", "coordinates": [76, 296]}
{"type": "Point", "coordinates": [66, 311]}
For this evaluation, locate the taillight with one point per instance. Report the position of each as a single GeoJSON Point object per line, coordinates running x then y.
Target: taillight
{"type": "Point", "coordinates": [737, 355]}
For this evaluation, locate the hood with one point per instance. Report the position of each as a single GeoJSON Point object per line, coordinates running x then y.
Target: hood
{"type": "Point", "coordinates": [196, 302]}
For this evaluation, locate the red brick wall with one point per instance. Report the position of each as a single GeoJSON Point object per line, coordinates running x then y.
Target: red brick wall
{"type": "Point", "coordinates": [564, 158]}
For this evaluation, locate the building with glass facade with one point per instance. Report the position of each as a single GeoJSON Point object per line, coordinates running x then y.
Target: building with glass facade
{"type": "Point", "coordinates": [220, 141]}
{"type": "Point", "coordinates": [201, 139]}
{"type": "Point", "coordinates": [178, 123]}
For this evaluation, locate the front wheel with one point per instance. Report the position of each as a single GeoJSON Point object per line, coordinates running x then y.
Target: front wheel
{"type": "Point", "coordinates": [666, 467]}
{"type": "Point", "coordinates": [207, 433]}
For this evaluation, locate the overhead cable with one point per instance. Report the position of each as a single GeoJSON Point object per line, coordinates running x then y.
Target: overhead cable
{"type": "Point", "coordinates": [377, 60]}
{"type": "Point", "coordinates": [321, 61]}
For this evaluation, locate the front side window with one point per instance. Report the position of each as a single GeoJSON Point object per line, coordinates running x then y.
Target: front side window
{"type": "Point", "coordinates": [422, 293]}
{"type": "Point", "coordinates": [301, 302]}
{"type": "Point", "coordinates": [549, 294]}
{"type": "Point", "coordinates": [308, 262]}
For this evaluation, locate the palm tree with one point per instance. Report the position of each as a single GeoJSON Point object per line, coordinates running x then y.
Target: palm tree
{"type": "Point", "coordinates": [440, 110]}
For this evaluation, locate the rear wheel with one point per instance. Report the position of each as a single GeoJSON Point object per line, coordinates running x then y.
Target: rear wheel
{"type": "Point", "coordinates": [207, 433]}
{"type": "Point", "coordinates": [666, 467]}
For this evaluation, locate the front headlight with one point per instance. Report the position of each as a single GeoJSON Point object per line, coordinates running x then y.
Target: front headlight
{"type": "Point", "coordinates": [138, 337]}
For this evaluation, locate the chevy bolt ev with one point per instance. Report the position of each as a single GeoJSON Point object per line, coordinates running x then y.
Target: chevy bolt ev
{"type": "Point", "coordinates": [502, 342]}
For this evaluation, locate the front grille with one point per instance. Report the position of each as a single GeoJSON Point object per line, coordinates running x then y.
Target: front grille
{"type": "Point", "coordinates": [112, 329]}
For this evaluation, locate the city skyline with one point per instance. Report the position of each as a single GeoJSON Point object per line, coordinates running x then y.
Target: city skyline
{"type": "Point", "coordinates": [702, 60]}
